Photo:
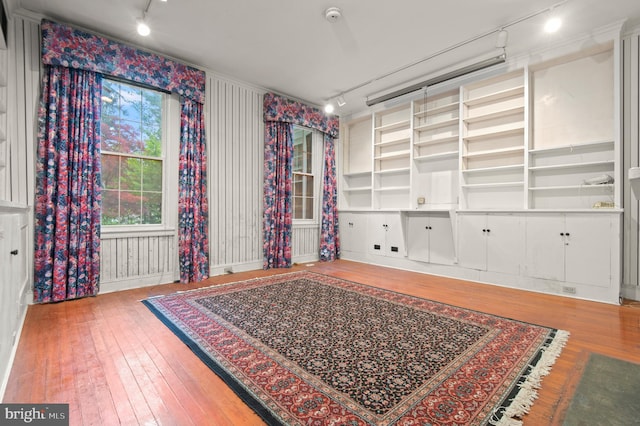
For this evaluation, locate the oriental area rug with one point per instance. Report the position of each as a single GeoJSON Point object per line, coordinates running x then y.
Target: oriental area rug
{"type": "Point", "coordinates": [303, 348]}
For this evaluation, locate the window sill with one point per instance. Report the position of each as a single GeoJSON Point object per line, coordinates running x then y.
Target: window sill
{"type": "Point", "coordinates": [111, 232]}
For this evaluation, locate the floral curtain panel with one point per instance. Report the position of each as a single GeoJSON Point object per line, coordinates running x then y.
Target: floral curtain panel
{"type": "Point", "coordinates": [68, 202]}
{"type": "Point", "coordinates": [278, 176]}
{"type": "Point", "coordinates": [193, 235]}
{"type": "Point", "coordinates": [64, 46]}
{"type": "Point", "coordinates": [329, 235]}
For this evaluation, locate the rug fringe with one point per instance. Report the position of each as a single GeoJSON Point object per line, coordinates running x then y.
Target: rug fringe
{"type": "Point", "coordinates": [523, 401]}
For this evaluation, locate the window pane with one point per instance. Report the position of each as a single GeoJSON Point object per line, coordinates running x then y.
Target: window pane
{"type": "Point", "coordinates": [131, 137]}
{"type": "Point", "coordinates": [110, 209]}
{"type": "Point", "coordinates": [297, 207]}
{"type": "Point", "coordinates": [130, 207]}
{"type": "Point", "coordinates": [152, 140]}
{"type": "Point", "coordinates": [130, 102]}
{"type": "Point", "coordinates": [131, 174]}
{"type": "Point", "coordinates": [110, 171]}
{"type": "Point", "coordinates": [309, 186]}
{"type": "Point", "coordinates": [151, 175]}
{"type": "Point", "coordinates": [151, 207]}
{"type": "Point", "coordinates": [308, 211]}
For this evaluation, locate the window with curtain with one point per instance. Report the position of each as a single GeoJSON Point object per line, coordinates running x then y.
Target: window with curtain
{"type": "Point", "coordinates": [306, 173]}
{"type": "Point", "coordinates": [132, 154]}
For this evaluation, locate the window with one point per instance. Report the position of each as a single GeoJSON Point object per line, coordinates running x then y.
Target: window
{"type": "Point", "coordinates": [132, 157]}
{"type": "Point", "coordinates": [304, 170]}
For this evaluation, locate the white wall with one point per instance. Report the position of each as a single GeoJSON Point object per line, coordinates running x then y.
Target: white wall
{"type": "Point", "coordinates": [631, 158]}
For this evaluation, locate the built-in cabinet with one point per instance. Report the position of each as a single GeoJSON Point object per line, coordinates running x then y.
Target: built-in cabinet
{"type": "Point", "coordinates": [430, 237]}
{"type": "Point", "coordinates": [385, 235]}
{"type": "Point", "coordinates": [512, 179]}
{"type": "Point", "coordinates": [491, 242]}
{"type": "Point", "coordinates": [572, 247]}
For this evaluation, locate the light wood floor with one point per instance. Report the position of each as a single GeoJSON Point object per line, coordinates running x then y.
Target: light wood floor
{"type": "Point", "coordinates": [115, 363]}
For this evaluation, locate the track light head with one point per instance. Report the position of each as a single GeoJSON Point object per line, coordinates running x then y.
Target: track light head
{"type": "Point", "coordinates": [143, 28]}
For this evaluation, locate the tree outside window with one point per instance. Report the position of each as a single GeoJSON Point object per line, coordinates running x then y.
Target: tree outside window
{"type": "Point", "coordinates": [132, 160]}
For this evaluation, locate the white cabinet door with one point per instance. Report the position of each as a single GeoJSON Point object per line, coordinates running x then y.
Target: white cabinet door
{"type": "Point", "coordinates": [505, 243]}
{"type": "Point", "coordinates": [491, 242]}
{"type": "Point", "coordinates": [441, 249]}
{"type": "Point", "coordinates": [472, 241]}
{"type": "Point", "coordinates": [545, 246]}
{"type": "Point", "coordinates": [384, 235]}
{"type": "Point", "coordinates": [352, 230]}
{"type": "Point", "coordinates": [418, 238]}
{"type": "Point", "coordinates": [588, 249]}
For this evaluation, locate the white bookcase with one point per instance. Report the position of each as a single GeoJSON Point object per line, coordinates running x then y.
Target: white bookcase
{"type": "Point", "coordinates": [392, 158]}
{"type": "Point", "coordinates": [572, 155]}
{"type": "Point", "coordinates": [357, 166]}
{"type": "Point", "coordinates": [492, 144]}
{"type": "Point", "coordinates": [511, 180]}
{"type": "Point", "coordinates": [436, 123]}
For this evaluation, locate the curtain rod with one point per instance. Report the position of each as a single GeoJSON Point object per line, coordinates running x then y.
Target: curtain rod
{"type": "Point", "coordinates": [486, 63]}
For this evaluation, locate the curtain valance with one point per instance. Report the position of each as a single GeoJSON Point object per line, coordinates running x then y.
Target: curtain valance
{"type": "Point", "coordinates": [278, 108]}
{"type": "Point", "coordinates": [68, 47]}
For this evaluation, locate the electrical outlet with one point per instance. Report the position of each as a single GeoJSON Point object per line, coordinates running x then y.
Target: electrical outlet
{"type": "Point", "coordinates": [568, 290]}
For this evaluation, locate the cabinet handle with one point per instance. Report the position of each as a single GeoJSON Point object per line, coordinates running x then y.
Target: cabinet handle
{"type": "Point", "coordinates": [562, 234]}
{"type": "Point", "coordinates": [488, 230]}
{"type": "Point", "coordinates": [14, 252]}
{"type": "Point", "coordinates": [484, 230]}
{"type": "Point", "coordinates": [567, 234]}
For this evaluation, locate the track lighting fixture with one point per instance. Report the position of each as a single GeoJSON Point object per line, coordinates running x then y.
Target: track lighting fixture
{"type": "Point", "coordinates": [553, 24]}
{"type": "Point", "coordinates": [341, 102]}
{"type": "Point", "coordinates": [329, 108]}
{"type": "Point", "coordinates": [143, 28]}
{"type": "Point", "coordinates": [141, 25]}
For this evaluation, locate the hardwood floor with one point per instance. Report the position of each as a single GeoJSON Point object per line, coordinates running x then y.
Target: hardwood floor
{"type": "Point", "coordinates": [113, 361]}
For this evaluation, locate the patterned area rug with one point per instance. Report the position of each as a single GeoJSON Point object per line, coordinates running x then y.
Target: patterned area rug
{"type": "Point", "coordinates": [304, 348]}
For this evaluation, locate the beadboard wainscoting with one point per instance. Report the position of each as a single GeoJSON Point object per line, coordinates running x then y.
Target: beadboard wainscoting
{"type": "Point", "coordinates": [236, 151]}
{"type": "Point", "coordinates": [305, 242]}
{"type": "Point", "coordinates": [129, 260]}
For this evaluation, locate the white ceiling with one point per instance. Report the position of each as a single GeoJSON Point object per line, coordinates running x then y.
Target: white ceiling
{"type": "Point", "coordinates": [288, 46]}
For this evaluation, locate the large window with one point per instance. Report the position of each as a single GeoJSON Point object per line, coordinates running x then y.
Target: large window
{"type": "Point", "coordinates": [303, 174]}
{"type": "Point", "coordinates": [132, 157]}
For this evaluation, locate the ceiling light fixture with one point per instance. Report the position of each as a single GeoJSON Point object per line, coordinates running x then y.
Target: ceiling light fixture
{"type": "Point", "coordinates": [501, 40]}
{"type": "Point", "coordinates": [552, 25]}
{"type": "Point", "coordinates": [141, 25]}
{"type": "Point", "coordinates": [341, 102]}
{"type": "Point", "coordinates": [332, 14]}
{"type": "Point", "coordinates": [143, 28]}
{"type": "Point", "coordinates": [329, 108]}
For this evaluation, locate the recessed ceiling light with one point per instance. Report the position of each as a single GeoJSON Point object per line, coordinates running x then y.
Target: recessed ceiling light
{"type": "Point", "coordinates": [553, 24]}
{"type": "Point", "coordinates": [143, 28]}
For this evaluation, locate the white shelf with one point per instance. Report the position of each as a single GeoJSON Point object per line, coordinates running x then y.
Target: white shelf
{"type": "Point", "coordinates": [392, 189]}
{"type": "Point", "coordinates": [489, 135]}
{"type": "Point", "coordinates": [393, 142]}
{"type": "Point", "coordinates": [571, 187]}
{"type": "Point", "coordinates": [393, 126]}
{"type": "Point", "coordinates": [363, 189]}
{"type": "Point", "coordinates": [493, 115]}
{"type": "Point", "coordinates": [572, 165]}
{"type": "Point", "coordinates": [437, 125]}
{"type": "Point", "coordinates": [503, 94]}
{"type": "Point", "coordinates": [399, 154]}
{"type": "Point", "coordinates": [441, 155]}
{"type": "Point", "coordinates": [356, 174]}
{"type": "Point", "coordinates": [492, 185]}
{"type": "Point", "coordinates": [495, 169]}
{"type": "Point", "coordinates": [437, 110]}
{"type": "Point", "coordinates": [437, 141]}
{"type": "Point", "coordinates": [393, 171]}
{"type": "Point", "coordinates": [582, 146]}
{"type": "Point", "coordinates": [496, 152]}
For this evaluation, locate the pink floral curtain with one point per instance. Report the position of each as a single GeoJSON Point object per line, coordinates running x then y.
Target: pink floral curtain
{"type": "Point", "coordinates": [65, 46]}
{"type": "Point", "coordinates": [68, 198]}
{"type": "Point", "coordinates": [329, 235]}
{"type": "Point", "coordinates": [192, 200]}
{"type": "Point", "coordinates": [278, 175]}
